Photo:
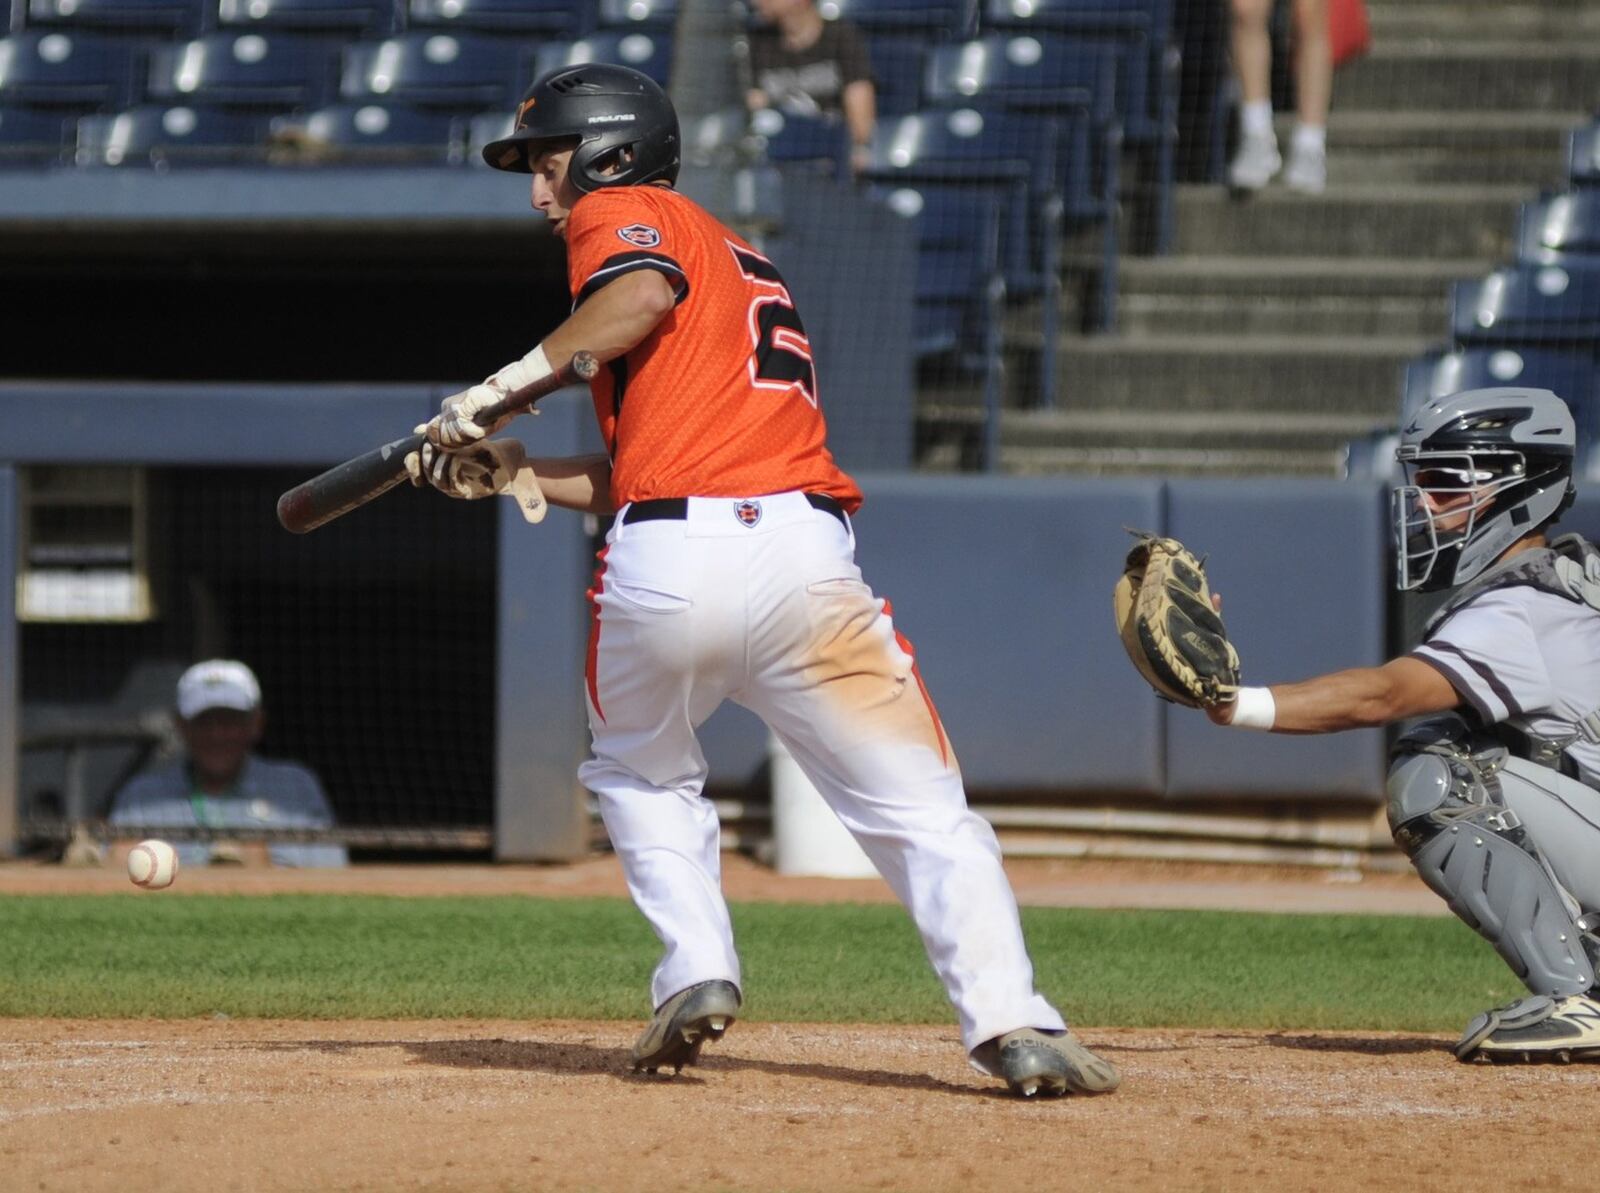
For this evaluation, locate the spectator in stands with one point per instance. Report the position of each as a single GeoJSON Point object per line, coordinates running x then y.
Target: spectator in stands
{"type": "Point", "coordinates": [220, 783]}
{"type": "Point", "coordinates": [803, 65]}
{"type": "Point", "coordinates": [1257, 160]}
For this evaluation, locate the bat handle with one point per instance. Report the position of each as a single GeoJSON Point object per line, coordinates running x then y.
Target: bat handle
{"type": "Point", "coordinates": [582, 367]}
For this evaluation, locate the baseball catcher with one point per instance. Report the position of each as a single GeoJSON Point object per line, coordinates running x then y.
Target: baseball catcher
{"type": "Point", "coordinates": [1496, 801]}
{"type": "Point", "coordinates": [1169, 626]}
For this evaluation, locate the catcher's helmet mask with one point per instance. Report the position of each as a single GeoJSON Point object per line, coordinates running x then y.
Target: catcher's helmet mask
{"type": "Point", "coordinates": [621, 125]}
{"type": "Point", "coordinates": [1498, 465]}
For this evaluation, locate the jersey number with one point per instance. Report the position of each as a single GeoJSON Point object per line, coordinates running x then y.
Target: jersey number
{"type": "Point", "coordinates": [782, 356]}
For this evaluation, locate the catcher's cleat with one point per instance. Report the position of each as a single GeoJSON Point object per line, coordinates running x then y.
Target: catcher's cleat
{"type": "Point", "coordinates": [1534, 1030]}
{"type": "Point", "coordinates": [683, 1023]}
{"type": "Point", "coordinates": [1033, 1061]}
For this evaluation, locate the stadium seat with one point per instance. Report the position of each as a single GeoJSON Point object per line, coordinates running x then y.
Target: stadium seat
{"type": "Point", "coordinates": [280, 70]}
{"type": "Point", "coordinates": [1583, 156]}
{"type": "Point", "coordinates": [1149, 65]}
{"type": "Point", "coordinates": [704, 137]}
{"type": "Point", "coordinates": [165, 16]}
{"type": "Point", "coordinates": [553, 18]}
{"type": "Point", "coordinates": [787, 137]}
{"type": "Point", "coordinates": [898, 67]}
{"type": "Point", "coordinates": [370, 133]}
{"type": "Point", "coordinates": [483, 128]}
{"type": "Point", "coordinates": [1075, 82]}
{"type": "Point", "coordinates": [659, 15]}
{"type": "Point", "coordinates": [33, 136]}
{"type": "Point", "coordinates": [1528, 305]}
{"type": "Point", "coordinates": [1026, 73]}
{"type": "Point", "coordinates": [159, 135]}
{"type": "Point", "coordinates": [70, 69]}
{"type": "Point", "coordinates": [466, 71]}
{"type": "Point", "coordinates": [649, 53]}
{"type": "Point", "coordinates": [1560, 230]}
{"type": "Point", "coordinates": [939, 19]}
{"type": "Point", "coordinates": [1574, 376]}
{"type": "Point", "coordinates": [350, 16]}
{"type": "Point", "coordinates": [960, 292]}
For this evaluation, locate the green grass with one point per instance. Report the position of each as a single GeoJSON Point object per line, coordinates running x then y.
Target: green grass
{"type": "Point", "coordinates": [308, 956]}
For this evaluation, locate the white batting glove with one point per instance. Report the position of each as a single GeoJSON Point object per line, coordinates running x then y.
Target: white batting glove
{"type": "Point", "coordinates": [454, 427]}
{"type": "Point", "coordinates": [480, 470]}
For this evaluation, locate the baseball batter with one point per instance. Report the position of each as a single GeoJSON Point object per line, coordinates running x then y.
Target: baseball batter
{"type": "Point", "coordinates": [1496, 803]}
{"type": "Point", "coordinates": [729, 574]}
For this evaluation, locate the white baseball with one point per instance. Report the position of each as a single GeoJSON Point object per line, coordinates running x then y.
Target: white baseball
{"type": "Point", "coordinates": [152, 865]}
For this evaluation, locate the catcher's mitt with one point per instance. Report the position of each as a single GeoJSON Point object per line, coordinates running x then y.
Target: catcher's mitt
{"type": "Point", "coordinates": [1169, 629]}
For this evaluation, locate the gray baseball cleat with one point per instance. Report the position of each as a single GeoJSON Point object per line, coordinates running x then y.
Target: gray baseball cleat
{"type": "Point", "coordinates": [683, 1023]}
{"type": "Point", "coordinates": [1034, 1061]}
{"type": "Point", "coordinates": [1535, 1029]}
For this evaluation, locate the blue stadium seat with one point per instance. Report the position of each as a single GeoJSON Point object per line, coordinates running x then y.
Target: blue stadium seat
{"type": "Point", "coordinates": [1528, 304]}
{"type": "Point", "coordinates": [70, 69]}
{"type": "Point", "coordinates": [659, 15]}
{"type": "Point", "coordinates": [369, 133]}
{"type": "Point", "coordinates": [280, 70]}
{"type": "Point", "coordinates": [935, 19]}
{"type": "Point", "coordinates": [1560, 230]}
{"type": "Point", "coordinates": [788, 137]}
{"type": "Point", "coordinates": [1073, 81]}
{"type": "Point", "coordinates": [1149, 66]}
{"type": "Point", "coordinates": [483, 128]}
{"type": "Point", "coordinates": [461, 71]}
{"type": "Point", "coordinates": [650, 53]}
{"type": "Point", "coordinates": [552, 18]}
{"type": "Point", "coordinates": [166, 16]}
{"type": "Point", "coordinates": [960, 292]}
{"type": "Point", "coordinates": [1583, 156]}
{"type": "Point", "coordinates": [33, 136]}
{"type": "Point", "coordinates": [161, 135]}
{"type": "Point", "coordinates": [1026, 73]}
{"type": "Point", "coordinates": [349, 16]}
{"type": "Point", "coordinates": [898, 67]}
{"type": "Point", "coordinates": [1573, 376]}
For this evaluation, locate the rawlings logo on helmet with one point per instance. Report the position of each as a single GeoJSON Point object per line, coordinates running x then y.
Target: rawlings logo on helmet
{"type": "Point", "coordinates": [640, 236]}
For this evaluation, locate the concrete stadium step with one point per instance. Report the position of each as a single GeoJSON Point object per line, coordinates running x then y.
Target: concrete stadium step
{"type": "Point", "coordinates": [1524, 148]}
{"type": "Point", "coordinates": [1483, 74]}
{"type": "Point", "coordinates": [1511, 22]}
{"type": "Point", "coordinates": [1279, 296]}
{"type": "Point", "coordinates": [1347, 375]}
{"type": "Point", "coordinates": [1397, 220]}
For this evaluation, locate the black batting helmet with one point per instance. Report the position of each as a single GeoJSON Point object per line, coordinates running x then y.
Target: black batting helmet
{"type": "Point", "coordinates": [607, 108]}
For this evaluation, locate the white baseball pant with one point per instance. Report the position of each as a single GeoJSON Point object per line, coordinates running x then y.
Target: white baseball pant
{"type": "Point", "coordinates": [760, 602]}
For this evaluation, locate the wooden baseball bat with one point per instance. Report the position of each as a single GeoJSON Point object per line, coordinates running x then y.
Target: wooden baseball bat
{"type": "Point", "coordinates": [343, 487]}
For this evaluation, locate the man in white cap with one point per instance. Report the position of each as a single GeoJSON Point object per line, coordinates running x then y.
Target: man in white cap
{"type": "Point", "coordinates": [220, 783]}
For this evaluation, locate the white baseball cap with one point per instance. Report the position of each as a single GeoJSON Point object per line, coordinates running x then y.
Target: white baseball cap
{"type": "Point", "coordinates": [217, 683]}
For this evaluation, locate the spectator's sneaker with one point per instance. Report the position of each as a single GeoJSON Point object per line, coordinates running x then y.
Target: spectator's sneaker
{"type": "Point", "coordinates": [683, 1023]}
{"type": "Point", "coordinates": [1307, 171]}
{"type": "Point", "coordinates": [1535, 1029]}
{"type": "Point", "coordinates": [1255, 163]}
{"type": "Point", "coordinates": [1033, 1061]}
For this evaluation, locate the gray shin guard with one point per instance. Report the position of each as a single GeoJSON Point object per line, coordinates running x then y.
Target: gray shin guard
{"type": "Point", "coordinates": [1447, 812]}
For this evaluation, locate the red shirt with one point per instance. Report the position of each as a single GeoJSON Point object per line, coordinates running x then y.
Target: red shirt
{"type": "Point", "coordinates": [720, 399]}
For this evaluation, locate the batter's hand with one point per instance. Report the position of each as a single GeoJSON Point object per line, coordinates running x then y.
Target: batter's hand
{"type": "Point", "coordinates": [453, 428]}
{"type": "Point", "coordinates": [483, 470]}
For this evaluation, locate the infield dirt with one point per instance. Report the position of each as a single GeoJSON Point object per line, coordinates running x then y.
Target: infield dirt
{"type": "Point", "coordinates": [217, 1104]}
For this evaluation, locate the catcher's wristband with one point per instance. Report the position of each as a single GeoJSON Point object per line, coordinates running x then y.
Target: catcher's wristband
{"type": "Point", "coordinates": [1254, 708]}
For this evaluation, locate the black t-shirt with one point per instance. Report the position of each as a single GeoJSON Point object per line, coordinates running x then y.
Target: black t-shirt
{"type": "Point", "coordinates": [809, 82]}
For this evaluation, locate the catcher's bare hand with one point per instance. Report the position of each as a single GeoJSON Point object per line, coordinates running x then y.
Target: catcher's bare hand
{"type": "Point", "coordinates": [1169, 625]}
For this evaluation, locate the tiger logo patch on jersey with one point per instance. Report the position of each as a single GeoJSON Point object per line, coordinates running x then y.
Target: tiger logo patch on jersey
{"type": "Point", "coordinates": [640, 236]}
{"type": "Point", "coordinates": [748, 512]}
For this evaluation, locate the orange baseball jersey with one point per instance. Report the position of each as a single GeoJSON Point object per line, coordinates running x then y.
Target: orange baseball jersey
{"type": "Point", "coordinates": [720, 399]}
